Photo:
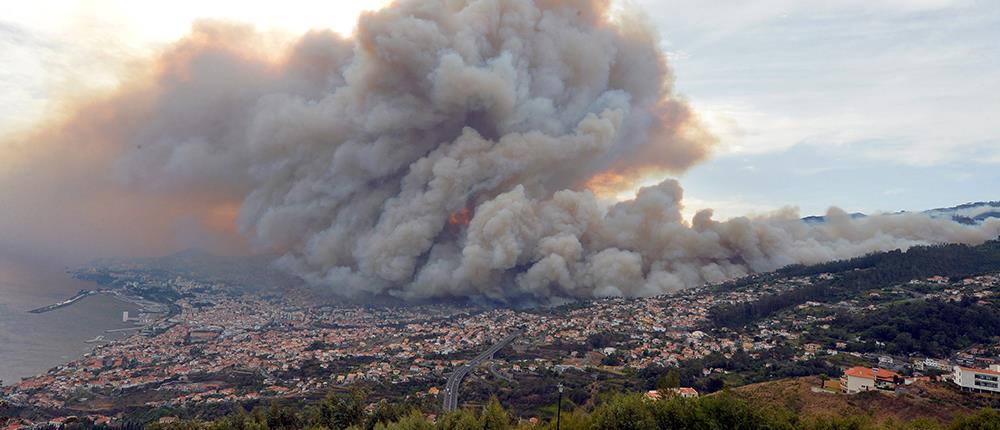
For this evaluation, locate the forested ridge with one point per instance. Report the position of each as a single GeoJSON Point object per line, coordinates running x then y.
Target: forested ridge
{"type": "Point", "coordinates": [861, 274]}
{"type": "Point", "coordinates": [933, 328]}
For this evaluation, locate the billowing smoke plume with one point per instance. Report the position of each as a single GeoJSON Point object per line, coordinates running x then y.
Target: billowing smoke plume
{"type": "Point", "coordinates": [453, 148]}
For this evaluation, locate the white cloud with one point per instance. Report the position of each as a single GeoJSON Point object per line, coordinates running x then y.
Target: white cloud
{"type": "Point", "coordinates": [728, 208]}
{"type": "Point", "coordinates": [910, 82]}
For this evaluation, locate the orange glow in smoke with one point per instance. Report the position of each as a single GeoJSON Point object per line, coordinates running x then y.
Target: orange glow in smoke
{"type": "Point", "coordinates": [609, 184]}
{"type": "Point", "coordinates": [461, 217]}
{"type": "Point", "coordinates": [622, 185]}
{"type": "Point", "coordinates": [222, 218]}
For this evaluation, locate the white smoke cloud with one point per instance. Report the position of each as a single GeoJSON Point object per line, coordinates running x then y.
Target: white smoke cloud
{"type": "Point", "coordinates": [443, 151]}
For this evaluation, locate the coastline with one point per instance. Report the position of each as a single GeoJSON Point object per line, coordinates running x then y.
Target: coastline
{"type": "Point", "coordinates": [32, 343]}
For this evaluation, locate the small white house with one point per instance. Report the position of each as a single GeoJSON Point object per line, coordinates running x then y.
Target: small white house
{"type": "Point", "coordinates": [930, 363]}
{"type": "Point", "coordinates": [685, 392]}
{"type": "Point", "coordinates": [978, 379]}
{"type": "Point", "coordinates": [858, 379]}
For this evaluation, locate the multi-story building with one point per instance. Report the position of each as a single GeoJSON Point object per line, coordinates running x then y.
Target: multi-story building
{"type": "Point", "coordinates": [978, 379]}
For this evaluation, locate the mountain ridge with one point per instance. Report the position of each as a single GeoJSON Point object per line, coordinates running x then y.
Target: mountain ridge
{"type": "Point", "coordinates": [971, 213]}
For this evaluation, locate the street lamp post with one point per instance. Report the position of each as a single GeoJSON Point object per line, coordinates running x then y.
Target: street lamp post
{"type": "Point", "coordinates": [559, 406]}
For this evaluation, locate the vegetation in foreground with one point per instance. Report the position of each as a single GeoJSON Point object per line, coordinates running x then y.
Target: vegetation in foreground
{"type": "Point", "coordinates": [618, 412]}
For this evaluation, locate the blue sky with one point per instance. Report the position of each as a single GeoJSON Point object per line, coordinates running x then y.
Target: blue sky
{"type": "Point", "coordinates": [868, 105]}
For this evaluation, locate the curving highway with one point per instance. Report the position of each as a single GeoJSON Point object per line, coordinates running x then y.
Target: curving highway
{"type": "Point", "coordinates": [455, 380]}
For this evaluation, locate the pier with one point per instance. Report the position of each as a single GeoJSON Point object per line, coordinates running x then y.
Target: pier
{"type": "Point", "coordinates": [96, 339]}
{"type": "Point", "coordinates": [122, 330]}
{"type": "Point", "coordinates": [79, 296]}
{"type": "Point", "coordinates": [149, 312]}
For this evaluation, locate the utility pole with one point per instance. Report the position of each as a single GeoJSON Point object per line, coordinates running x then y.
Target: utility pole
{"type": "Point", "coordinates": [559, 406]}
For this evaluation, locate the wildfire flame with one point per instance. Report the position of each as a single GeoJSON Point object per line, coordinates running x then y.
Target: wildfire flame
{"type": "Point", "coordinates": [461, 217]}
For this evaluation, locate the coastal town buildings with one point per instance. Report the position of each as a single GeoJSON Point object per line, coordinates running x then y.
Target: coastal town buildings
{"type": "Point", "coordinates": [223, 345]}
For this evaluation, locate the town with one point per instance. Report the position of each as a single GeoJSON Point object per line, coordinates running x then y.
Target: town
{"type": "Point", "coordinates": [212, 344]}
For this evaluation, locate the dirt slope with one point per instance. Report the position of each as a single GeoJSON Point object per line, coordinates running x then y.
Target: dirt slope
{"type": "Point", "coordinates": [933, 400]}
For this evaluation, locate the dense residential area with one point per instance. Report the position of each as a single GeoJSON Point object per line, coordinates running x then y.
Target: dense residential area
{"type": "Point", "coordinates": [209, 347]}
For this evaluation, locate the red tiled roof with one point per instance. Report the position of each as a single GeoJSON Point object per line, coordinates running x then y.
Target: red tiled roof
{"type": "Point", "coordinates": [866, 372]}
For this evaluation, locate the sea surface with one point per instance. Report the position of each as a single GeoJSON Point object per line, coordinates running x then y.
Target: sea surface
{"type": "Point", "coordinates": [31, 344]}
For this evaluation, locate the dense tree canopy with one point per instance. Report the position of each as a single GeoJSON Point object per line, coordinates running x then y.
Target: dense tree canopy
{"type": "Point", "coordinates": [861, 274]}
{"type": "Point", "coordinates": [933, 328]}
{"type": "Point", "coordinates": [620, 412]}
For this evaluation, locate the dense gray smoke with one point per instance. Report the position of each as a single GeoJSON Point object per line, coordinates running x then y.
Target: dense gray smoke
{"type": "Point", "coordinates": [445, 151]}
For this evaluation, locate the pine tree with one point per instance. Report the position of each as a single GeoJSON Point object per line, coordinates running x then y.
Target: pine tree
{"type": "Point", "coordinates": [494, 416]}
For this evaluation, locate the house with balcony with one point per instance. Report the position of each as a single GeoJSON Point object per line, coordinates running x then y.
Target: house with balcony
{"type": "Point", "coordinates": [977, 379]}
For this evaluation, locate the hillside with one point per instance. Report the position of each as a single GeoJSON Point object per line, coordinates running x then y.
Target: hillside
{"type": "Point", "coordinates": [858, 275]}
{"type": "Point", "coordinates": [788, 404]}
{"type": "Point", "coordinates": [968, 213]}
{"type": "Point", "coordinates": [922, 399]}
{"type": "Point", "coordinates": [255, 272]}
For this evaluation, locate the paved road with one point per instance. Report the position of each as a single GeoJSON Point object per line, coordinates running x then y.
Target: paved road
{"type": "Point", "coordinates": [455, 380]}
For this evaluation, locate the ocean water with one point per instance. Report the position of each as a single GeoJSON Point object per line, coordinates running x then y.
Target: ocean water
{"type": "Point", "coordinates": [33, 343]}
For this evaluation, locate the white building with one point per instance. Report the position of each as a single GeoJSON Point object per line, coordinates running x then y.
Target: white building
{"type": "Point", "coordinates": [978, 379]}
{"type": "Point", "coordinates": [685, 392]}
{"type": "Point", "coordinates": [858, 379]}
{"type": "Point", "coordinates": [930, 363]}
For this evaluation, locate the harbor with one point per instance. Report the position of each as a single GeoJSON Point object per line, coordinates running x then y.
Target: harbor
{"type": "Point", "coordinates": [149, 312]}
{"type": "Point", "coordinates": [79, 296]}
